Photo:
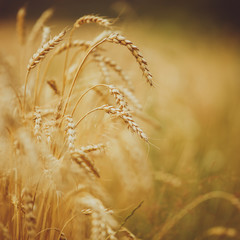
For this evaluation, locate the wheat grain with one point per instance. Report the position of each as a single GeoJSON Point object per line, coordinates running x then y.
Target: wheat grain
{"type": "Point", "coordinates": [44, 50]}
{"type": "Point", "coordinates": [119, 98]}
{"type": "Point", "coordinates": [129, 95]}
{"type": "Point", "coordinates": [92, 148]}
{"type": "Point", "coordinates": [30, 219]}
{"type": "Point", "coordinates": [70, 132]}
{"type": "Point", "coordinates": [45, 35]}
{"type": "Point", "coordinates": [92, 19]}
{"type": "Point", "coordinates": [127, 119]}
{"type": "Point", "coordinates": [37, 124]}
{"type": "Point", "coordinates": [119, 39]}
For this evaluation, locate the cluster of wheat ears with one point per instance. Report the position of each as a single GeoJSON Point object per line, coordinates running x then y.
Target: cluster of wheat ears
{"type": "Point", "coordinates": [50, 185]}
{"type": "Point", "coordinates": [66, 112]}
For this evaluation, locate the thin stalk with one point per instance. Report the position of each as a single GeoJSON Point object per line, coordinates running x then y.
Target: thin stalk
{"type": "Point", "coordinates": [80, 98]}
{"type": "Point", "coordinates": [78, 70]}
{"type": "Point", "coordinates": [66, 60]}
{"type": "Point", "coordinates": [44, 76]}
{"type": "Point", "coordinates": [93, 110]}
{"type": "Point", "coordinates": [36, 86]}
{"type": "Point", "coordinates": [25, 90]}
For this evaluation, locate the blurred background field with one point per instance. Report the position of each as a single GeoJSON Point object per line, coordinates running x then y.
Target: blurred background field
{"type": "Point", "coordinates": [193, 51]}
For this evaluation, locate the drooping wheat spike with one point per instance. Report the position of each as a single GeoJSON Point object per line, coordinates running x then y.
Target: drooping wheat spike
{"type": "Point", "coordinates": [39, 24]}
{"type": "Point", "coordinates": [70, 132]}
{"type": "Point", "coordinates": [118, 97]}
{"type": "Point", "coordinates": [104, 70]}
{"type": "Point", "coordinates": [86, 163]}
{"type": "Point", "coordinates": [92, 19]}
{"type": "Point", "coordinates": [129, 95]}
{"type": "Point", "coordinates": [21, 25]}
{"type": "Point", "coordinates": [119, 39]}
{"type": "Point", "coordinates": [92, 148]}
{"type": "Point", "coordinates": [127, 118]}
{"type": "Point", "coordinates": [111, 63]}
{"type": "Point", "coordinates": [30, 219]}
{"type": "Point", "coordinates": [5, 232]}
{"type": "Point", "coordinates": [37, 124]}
{"type": "Point", "coordinates": [44, 50]}
{"type": "Point", "coordinates": [45, 35]}
{"type": "Point", "coordinates": [75, 43]}
{"type": "Point", "coordinates": [53, 85]}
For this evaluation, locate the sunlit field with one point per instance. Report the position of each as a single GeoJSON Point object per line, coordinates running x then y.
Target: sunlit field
{"type": "Point", "coordinates": [118, 129]}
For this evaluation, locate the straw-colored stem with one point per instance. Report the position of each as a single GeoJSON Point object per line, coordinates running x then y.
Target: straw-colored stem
{"type": "Point", "coordinates": [44, 76]}
{"type": "Point", "coordinates": [77, 72]}
{"type": "Point", "coordinates": [80, 98]}
{"type": "Point", "coordinates": [93, 110]}
{"type": "Point", "coordinates": [36, 86]}
{"type": "Point", "coordinates": [216, 194]}
{"type": "Point", "coordinates": [25, 90]}
{"type": "Point", "coordinates": [66, 60]}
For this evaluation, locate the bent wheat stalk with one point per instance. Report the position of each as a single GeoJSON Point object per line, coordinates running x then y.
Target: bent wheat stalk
{"type": "Point", "coordinates": [216, 194]}
{"type": "Point", "coordinates": [85, 19]}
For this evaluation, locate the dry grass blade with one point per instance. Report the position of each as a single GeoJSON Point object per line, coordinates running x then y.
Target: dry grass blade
{"type": "Point", "coordinates": [21, 25]}
{"type": "Point", "coordinates": [117, 38]}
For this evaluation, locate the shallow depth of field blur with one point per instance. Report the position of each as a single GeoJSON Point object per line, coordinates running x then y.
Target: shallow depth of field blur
{"type": "Point", "coordinates": [193, 117]}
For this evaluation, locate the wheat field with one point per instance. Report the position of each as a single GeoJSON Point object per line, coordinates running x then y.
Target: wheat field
{"type": "Point", "coordinates": [104, 139]}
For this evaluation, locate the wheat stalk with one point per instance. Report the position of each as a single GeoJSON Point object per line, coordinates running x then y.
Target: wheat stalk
{"type": "Point", "coordinates": [39, 24]}
{"type": "Point", "coordinates": [215, 194]}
